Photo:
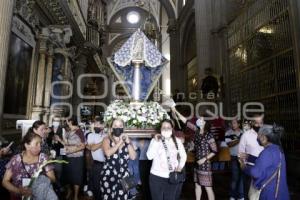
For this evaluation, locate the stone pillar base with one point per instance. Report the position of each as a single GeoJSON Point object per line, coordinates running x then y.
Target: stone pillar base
{"type": "Point", "coordinates": [37, 113]}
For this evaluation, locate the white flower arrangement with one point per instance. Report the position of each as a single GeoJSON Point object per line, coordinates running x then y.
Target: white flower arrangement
{"type": "Point", "coordinates": [142, 115]}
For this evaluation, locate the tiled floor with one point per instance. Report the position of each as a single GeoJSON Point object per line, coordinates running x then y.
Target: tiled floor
{"type": "Point", "coordinates": [221, 188]}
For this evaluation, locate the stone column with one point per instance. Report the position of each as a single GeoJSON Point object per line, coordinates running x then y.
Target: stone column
{"type": "Point", "coordinates": [80, 67]}
{"type": "Point", "coordinates": [6, 13]}
{"type": "Point", "coordinates": [48, 88]}
{"type": "Point", "coordinates": [110, 97]}
{"type": "Point", "coordinates": [176, 71]}
{"type": "Point", "coordinates": [203, 29]}
{"type": "Point", "coordinates": [38, 110]}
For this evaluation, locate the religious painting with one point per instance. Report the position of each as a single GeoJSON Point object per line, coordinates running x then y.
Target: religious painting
{"type": "Point", "coordinates": [57, 75]}
{"type": "Point", "coordinates": [17, 76]}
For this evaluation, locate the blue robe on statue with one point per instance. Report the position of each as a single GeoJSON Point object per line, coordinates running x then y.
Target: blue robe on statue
{"type": "Point", "coordinates": [265, 166]}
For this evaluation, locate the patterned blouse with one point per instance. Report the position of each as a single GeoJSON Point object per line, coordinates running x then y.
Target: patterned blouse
{"type": "Point", "coordinates": [204, 145]}
{"type": "Point", "coordinates": [18, 171]}
{"type": "Point", "coordinates": [75, 138]}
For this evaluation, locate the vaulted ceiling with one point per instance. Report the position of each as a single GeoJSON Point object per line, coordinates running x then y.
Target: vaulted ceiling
{"type": "Point", "coordinates": [119, 29]}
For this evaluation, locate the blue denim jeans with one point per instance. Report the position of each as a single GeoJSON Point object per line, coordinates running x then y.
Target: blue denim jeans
{"type": "Point", "coordinates": [237, 183]}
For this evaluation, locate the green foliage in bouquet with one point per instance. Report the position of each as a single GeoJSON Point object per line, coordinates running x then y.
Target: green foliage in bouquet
{"type": "Point", "coordinates": [39, 171]}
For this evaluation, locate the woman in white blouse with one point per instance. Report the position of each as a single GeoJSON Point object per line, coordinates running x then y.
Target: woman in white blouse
{"type": "Point", "coordinates": [162, 146]}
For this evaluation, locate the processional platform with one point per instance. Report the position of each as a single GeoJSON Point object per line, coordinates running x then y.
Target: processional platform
{"type": "Point", "coordinates": [138, 65]}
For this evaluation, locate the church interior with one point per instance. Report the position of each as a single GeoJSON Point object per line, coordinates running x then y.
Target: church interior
{"type": "Point", "coordinates": [228, 56]}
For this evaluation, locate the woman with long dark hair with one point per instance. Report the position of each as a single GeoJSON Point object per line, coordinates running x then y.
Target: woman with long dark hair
{"type": "Point", "coordinates": [206, 149]}
{"type": "Point", "coordinates": [22, 167]}
{"type": "Point", "coordinates": [269, 172]}
{"type": "Point", "coordinates": [39, 127]}
{"type": "Point", "coordinates": [168, 155]}
{"type": "Point", "coordinates": [74, 144]}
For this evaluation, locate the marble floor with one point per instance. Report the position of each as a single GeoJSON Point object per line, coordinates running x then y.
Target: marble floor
{"type": "Point", "coordinates": [221, 188]}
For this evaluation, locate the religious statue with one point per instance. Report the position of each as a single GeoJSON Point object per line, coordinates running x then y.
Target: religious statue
{"type": "Point", "coordinates": [138, 64]}
{"type": "Point", "coordinates": [138, 50]}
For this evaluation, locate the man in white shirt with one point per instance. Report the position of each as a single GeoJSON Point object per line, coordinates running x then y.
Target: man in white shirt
{"type": "Point", "coordinates": [94, 144]}
{"type": "Point", "coordinates": [249, 149]}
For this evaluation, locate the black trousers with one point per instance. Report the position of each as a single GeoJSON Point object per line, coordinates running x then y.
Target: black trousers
{"type": "Point", "coordinates": [247, 183]}
{"type": "Point", "coordinates": [95, 179]}
{"type": "Point", "coordinates": [161, 189]}
{"type": "Point", "coordinates": [144, 167]}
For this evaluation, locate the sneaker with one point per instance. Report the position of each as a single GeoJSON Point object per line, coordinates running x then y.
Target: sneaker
{"type": "Point", "coordinates": [231, 198]}
{"type": "Point", "coordinates": [241, 199]}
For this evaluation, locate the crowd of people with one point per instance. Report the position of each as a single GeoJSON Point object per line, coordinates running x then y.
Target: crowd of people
{"type": "Point", "coordinates": [113, 166]}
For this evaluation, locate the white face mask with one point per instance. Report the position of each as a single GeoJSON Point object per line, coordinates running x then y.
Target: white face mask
{"type": "Point", "coordinates": [55, 124]}
{"type": "Point", "coordinates": [200, 123]}
{"type": "Point", "coordinates": [166, 134]}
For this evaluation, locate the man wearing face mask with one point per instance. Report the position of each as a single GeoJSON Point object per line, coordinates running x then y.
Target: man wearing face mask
{"type": "Point", "coordinates": [94, 144]}
{"type": "Point", "coordinates": [249, 148]}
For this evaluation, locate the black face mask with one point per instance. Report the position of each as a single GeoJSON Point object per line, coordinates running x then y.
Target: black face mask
{"type": "Point", "coordinates": [97, 129]}
{"type": "Point", "coordinates": [117, 131]}
{"type": "Point", "coordinates": [256, 128]}
{"type": "Point", "coordinates": [258, 141]}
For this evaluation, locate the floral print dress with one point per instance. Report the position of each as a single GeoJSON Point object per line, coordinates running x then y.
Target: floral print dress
{"type": "Point", "coordinates": [114, 169]}
{"type": "Point", "coordinates": [204, 145]}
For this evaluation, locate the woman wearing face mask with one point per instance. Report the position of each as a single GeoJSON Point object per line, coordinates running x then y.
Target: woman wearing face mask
{"type": "Point", "coordinates": [206, 148]}
{"type": "Point", "coordinates": [168, 155]}
{"type": "Point", "coordinates": [56, 147]}
{"type": "Point", "coordinates": [22, 167]}
{"type": "Point", "coordinates": [269, 171]}
{"type": "Point", "coordinates": [74, 145]}
{"type": "Point", "coordinates": [118, 150]}
{"type": "Point", "coordinates": [95, 145]}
